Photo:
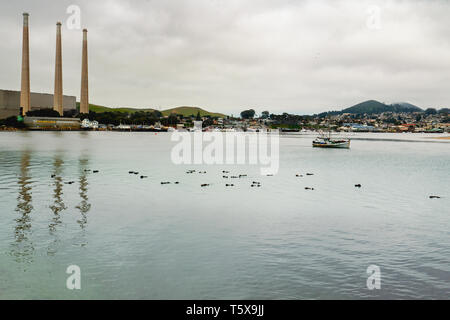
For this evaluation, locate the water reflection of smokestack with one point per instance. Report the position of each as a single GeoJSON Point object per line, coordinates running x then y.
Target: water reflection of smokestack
{"type": "Point", "coordinates": [23, 247]}
{"type": "Point", "coordinates": [58, 204]}
{"type": "Point", "coordinates": [84, 205]}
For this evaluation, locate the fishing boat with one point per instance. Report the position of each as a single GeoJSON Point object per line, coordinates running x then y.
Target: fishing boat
{"type": "Point", "coordinates": [328, 142]}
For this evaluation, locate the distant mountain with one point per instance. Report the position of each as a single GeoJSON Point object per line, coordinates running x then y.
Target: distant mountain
{"type": "Point", "coordinates": [376, 107]}
{"type": "Point", "coordinates": [370, 106]}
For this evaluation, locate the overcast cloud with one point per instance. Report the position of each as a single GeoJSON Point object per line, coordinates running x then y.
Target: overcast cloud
{"type": "Point", "coordinates": [227, 55]}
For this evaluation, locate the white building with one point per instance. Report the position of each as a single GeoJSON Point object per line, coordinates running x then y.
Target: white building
{"type": "Point", "coordinates": [198, 125]}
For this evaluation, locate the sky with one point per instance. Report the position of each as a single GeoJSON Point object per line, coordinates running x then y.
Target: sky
{"type": "Point", "coordinates": [299, 57]}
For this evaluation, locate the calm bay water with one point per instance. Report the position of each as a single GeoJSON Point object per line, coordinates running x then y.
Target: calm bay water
{"type": "Point", "coordinates": [135, 238]}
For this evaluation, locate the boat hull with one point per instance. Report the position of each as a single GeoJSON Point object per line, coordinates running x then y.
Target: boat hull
{"type": "Point", "coordinates": [340, 145]}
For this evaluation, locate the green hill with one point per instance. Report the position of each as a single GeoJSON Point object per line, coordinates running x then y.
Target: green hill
{"type": "Point", "coordinates": [408, 107]}
{"type": "Point", "coordinates": [375, 107]}
{"type": "Point", "coordinates": [101, 109]}
{"type": "Point", "coordinates": [188, 111]}
{"type": "Point", "coordinates": [185, 111]}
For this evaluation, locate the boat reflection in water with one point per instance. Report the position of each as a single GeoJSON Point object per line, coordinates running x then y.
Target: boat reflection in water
{"type": "Point", "coordinates": [23, 247]}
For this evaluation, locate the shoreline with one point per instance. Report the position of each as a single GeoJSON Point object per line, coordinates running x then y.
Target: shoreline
{"type": "Point", "coordinates": [12, 129]}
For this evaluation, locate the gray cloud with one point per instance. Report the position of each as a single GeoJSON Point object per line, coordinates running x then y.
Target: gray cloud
{"type": "Point", "coordinates": [226, 55]}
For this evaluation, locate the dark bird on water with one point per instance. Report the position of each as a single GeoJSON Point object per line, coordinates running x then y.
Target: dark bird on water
{"type": "Point", "coordinates": [256, 184]}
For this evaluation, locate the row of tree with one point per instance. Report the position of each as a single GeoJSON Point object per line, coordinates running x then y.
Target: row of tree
{"type": "Point", "coordinates": [142, 117]}
{"type": "Point", "coordinates": [429, 111]}
{"type": "Point", "coordinates": [150, 118]}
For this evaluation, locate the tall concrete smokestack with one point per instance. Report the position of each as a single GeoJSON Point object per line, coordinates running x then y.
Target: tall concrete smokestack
{"type": "Point", "coordinates": [25, 86]}
{"type": "Point", "coordinates": [84, 98]}
{"type": "Point", "coordinates": [58, 96]}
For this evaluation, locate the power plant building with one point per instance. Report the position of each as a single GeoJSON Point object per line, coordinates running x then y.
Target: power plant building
{"type": "Point", "coordinates": [10, 102]}
{"type": "Point", "coordinates": [52, 123]}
